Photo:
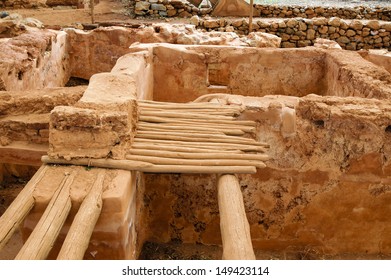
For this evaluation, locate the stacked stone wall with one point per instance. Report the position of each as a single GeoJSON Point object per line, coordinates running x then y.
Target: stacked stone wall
{"type": "Point", "coordinates": [183, 8]}
{"type": "Point", "coordinates": [302, 32]}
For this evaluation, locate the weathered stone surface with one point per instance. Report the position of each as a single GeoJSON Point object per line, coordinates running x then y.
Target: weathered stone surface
{"type": "Point", "coordinates": [334, 21]}
{"type": "Point", "coordinates": [373, 24]}
{"type": "Point", "coordinates": [142, 6]}
{"type": "Point", "coordinates": [356, 24]}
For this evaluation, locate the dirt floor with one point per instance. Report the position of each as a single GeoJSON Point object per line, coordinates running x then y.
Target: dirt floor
{"type": "Point", "coordinates": [106, 11]}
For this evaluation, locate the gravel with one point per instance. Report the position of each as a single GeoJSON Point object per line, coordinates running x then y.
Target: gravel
{"type": "Point", "coordinates": [328, 3]}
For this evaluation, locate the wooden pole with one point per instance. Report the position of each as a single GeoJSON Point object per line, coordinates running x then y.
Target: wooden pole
{"type": "Point", "coordinates": [171, 148]}
{"type": "Point", "coordinates": [197, 162]}
{"type": "Point", "coordinates": [209, 145]}
{"type": "Point", "coordinates": [200, 155]}
{"type": "Point", "coordinates": [250, 21]}
{"type": "Point", "coordinates": [235, 229]}
{"type": "Point", "coordinates": [19, 208]}
{"type": "Point", "coordinates": [225, 139]}
{"type": "Point", "coordinates": [185, 120]}
{"type": "Point", "coordinates": [45, 233]}
{"type": "Point", "coordinates": [221, 127]}
{"type": "Point", "coordinates": [152, 168]}
{"type": "Point", "coordinates": [79, 234]}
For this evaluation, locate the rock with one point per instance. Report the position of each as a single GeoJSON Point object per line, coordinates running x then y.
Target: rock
{"type": "Point", "coordinates": [323, 29]}
{"type": "Point", "coordinates": [142, 6]}
{"type": "Point", "coordinates": [350, 33]}
{"type": "Point", "coordinates": [288, 45]}
{"type": "Point", "coordinates": [386, 26]}
{"type": "Point", "coordinates": [237, 23]}
{"type": "Point", "coordinates": [171, 13]}
{"type": "Point", "coordinates": [229, 29]}
{"type": "Point", "coordinates": [326, 44]}
{"type": "Point", "coordinates": [335, 21]}
{"type": "Point", "coordinates": [373, 24]}
{"type": "Point", "coordinates": [343, 40]}
{"type": "Point", "coordinates": [33, 22]}
{"type": "Point", "coordinates": [195, 20]}
{"type": "Point", "coordinates": [356, 25]}
{"type": "Point", "coordinates": [320, 21]}
{"type": "Point", "coordinates": [302, 26]}
{"type": "Point", "coordinates": [264, 40]}
{"type": "Point", "coordinates": [303, 43]}
{"type": "Point", "coordinates": [292, 23]}
{"type": "Point", "coordinates": [211, 23]}
{"type": "Point", "coordinates": [158, 7]}
{"type": "Point", "coordinates": [185, 14]}
{"type": "Point", "coordinates": [311, 34]}
{"type": "Point", "coordinates": [4, 14]}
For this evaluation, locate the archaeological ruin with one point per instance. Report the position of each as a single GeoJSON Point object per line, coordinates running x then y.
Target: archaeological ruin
{"type": "Point", "coordinates": [273, 143]}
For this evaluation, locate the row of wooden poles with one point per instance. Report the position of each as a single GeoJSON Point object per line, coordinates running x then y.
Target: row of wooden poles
{"type": "Point", "coordinates": [45, 233]}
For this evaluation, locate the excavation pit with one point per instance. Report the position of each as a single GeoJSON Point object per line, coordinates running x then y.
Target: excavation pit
{"type": "Point", "coordinates": [324, 113]}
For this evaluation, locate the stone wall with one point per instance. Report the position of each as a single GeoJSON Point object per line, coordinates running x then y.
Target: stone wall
{"type": "Point", "coordinates": [359, 12]}
{"type": "Point", "coordinates": [18, 4]}
{"type": "Point", "coordinates": [183, 8]}
{"type": "Point", "coordinates": [302, 32]}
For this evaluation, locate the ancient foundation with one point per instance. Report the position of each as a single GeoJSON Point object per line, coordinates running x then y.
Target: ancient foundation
{"type": "Point", "coordinates": [324, 113]}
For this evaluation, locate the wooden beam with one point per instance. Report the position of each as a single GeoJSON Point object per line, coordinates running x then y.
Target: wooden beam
{"type": "Point", "coordinates": [197, 162]}
{"type": "Point", "coordinates": [185, 115]}
{"type": "Point", "coordinates": [45, 233]}
{"type": "Point", "coordinates": [235, 229]}
{"type": "Point", "coordinates": [152, 168]}
{"type": "Point", "coordinates": [209, 145]}
{"type": "Point", "coordinates": [151, 147]}
{"type": "Point", "coordinates": [221, 127]}
{"type": "Point", "coordinates": [19, 208]}
{"type": "Point", "coordinates": [205, 121]}
{"type": "Point", "coordinates": [216, 139]}
{"type": "Point", "coordinates": [198, 155]}
{"type": "Point", "coordinates": [79, 234]}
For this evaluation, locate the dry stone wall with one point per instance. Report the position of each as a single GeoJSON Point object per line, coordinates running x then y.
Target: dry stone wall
{"type": "Point", "coordinates": [302, 32]}
{"type": "Point", "coordinates": [183, 8]}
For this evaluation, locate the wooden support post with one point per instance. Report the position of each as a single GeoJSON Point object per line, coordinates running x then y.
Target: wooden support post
{"type": "Point", "coordinates": [79, 234]}
{"type": "Point", "coordinates": [19, 208]}
{"type": "Point", "coordinates": [45, 233]}
{"type": "Point", "coordinates": [235, 229]}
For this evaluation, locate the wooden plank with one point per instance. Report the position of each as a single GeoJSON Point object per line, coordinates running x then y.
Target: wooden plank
{"type": "Point", "coordinates": [235, 229]}
{"type": "Point", "coordinates": [45, 233]}
{"type": "Point", "coordinates": [198, 155]}
{"type": "Point", "coordinates": [19, 208]}
{"type": "Point", "coordinates": [79, 234]}
{"type": "Point", "coordinates": [197, 162]}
